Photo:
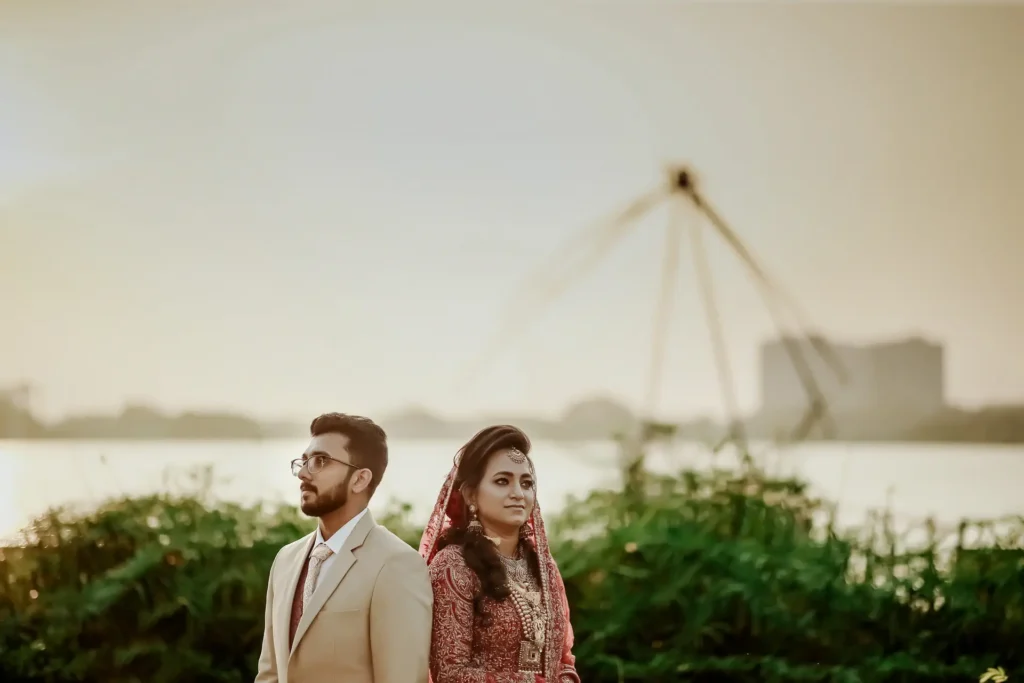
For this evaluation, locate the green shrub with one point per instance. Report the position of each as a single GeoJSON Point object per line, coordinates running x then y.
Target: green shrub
{"type": "Point", "coordinates": [706, 576]}
{"type": "Point", "coordinates": [722, 577]}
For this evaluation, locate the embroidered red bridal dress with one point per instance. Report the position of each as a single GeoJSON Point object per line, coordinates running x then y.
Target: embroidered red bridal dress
{"type": "Point", "coordinates": [526, 638]}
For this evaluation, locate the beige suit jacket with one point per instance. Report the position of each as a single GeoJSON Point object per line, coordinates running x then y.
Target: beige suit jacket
{"type": "Point", "coordinates": [368, 620]}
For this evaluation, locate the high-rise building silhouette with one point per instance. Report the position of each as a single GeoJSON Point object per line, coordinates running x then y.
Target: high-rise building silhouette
{"type": "Point", "coordinates": [905, 377]}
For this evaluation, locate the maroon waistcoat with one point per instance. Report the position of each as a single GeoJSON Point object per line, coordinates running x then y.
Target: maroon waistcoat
{"type": "Point", "coordinates": [297, 603]}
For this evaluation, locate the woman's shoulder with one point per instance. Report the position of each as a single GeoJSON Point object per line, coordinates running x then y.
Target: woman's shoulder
{"type": "Point", "coordinates": [449, 557]}
{"type": "Point", "coordinates": [449, 567]}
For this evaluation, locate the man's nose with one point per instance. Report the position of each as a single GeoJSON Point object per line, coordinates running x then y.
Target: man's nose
{"type": "Point", "coordinates": [304, 474]}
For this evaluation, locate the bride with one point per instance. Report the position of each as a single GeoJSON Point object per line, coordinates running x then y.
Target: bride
{"type": "Point", "coordinates": [500, 611]}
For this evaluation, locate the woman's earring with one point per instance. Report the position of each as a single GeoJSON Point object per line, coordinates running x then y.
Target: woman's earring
{"type": "Point", "coordinates": [474, 523]}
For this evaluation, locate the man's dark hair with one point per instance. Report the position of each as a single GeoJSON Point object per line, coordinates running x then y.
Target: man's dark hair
{"type": "Point", "coordinates": [367, 442]}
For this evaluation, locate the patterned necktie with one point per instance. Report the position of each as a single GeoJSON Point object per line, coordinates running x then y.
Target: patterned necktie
{"type": "Point", "coordinates": [316, 561]}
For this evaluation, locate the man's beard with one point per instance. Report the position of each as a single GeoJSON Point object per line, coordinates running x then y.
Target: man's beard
{"type": "Point", "coordinates": [326, 503]}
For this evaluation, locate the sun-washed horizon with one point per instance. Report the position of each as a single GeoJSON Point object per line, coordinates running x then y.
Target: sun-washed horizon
{"type": "Point", "coordinates": [278, 210]}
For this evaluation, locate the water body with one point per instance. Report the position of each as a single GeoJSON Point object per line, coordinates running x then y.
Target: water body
{"type": "Point", "coordinates": [947, 482]}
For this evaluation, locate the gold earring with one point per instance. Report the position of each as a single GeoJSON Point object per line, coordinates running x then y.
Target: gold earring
{"type": "Point", "coordinates": [474, 523]}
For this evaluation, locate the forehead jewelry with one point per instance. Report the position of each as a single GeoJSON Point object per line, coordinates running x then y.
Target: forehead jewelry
{"type": "Point", "coordinates": [516, 456]}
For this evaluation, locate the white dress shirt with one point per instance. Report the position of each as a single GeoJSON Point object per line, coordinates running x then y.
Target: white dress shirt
{"type": "Point", "coordinates": [335, 543]}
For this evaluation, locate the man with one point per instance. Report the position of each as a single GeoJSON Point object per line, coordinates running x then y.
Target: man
{"type": "Point", "coordinates": [351, 601]}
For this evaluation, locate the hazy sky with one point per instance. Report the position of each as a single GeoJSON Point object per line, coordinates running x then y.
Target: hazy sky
{"type": "Point", "coordinates": [293, 207]}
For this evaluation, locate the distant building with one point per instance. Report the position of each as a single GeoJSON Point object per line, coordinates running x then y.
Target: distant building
{"type": "Point", "coordinates": [16, 419]}
{"type": "Point", "coordinates": [904, 377]}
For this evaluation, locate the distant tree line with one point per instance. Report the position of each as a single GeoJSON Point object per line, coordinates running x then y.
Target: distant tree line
{"type": "Point", "coordinates": [593, 419]}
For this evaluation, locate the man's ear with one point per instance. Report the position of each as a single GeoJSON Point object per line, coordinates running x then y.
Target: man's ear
{"type": "Point", "coordinates": [361, 482]}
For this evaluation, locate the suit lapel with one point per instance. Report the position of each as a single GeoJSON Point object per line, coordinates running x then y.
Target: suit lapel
{"type": "Point", "coordinates": [283, 614]}
{"type": "Point", "coordinates": [330, 579]}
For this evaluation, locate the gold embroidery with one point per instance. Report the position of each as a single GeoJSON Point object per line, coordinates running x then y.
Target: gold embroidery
{"type": "Point", "coordinates": [474, 650]}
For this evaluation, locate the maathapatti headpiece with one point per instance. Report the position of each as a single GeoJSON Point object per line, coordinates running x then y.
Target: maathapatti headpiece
{"type": "Point", "coordinates": [516, 455]}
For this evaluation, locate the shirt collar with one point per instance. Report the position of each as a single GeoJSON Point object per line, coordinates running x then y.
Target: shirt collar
{"type": "Point", "coordinates": [341, 535]}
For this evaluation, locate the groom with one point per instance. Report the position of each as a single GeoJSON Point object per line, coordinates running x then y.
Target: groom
{"type": "Point", "coordinates": [350, 602]}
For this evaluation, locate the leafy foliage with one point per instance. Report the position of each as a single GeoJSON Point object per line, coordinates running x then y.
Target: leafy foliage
{"type": "Point", "coordinates": [724, 577]}
{"type": "Point", "coordinates": [706, 576]}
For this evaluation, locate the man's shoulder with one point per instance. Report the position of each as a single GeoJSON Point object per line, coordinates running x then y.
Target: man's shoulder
{"type": "Point", "coordinates": [389, 546]}
{"type": "Point", "coordinates": [296, 546]}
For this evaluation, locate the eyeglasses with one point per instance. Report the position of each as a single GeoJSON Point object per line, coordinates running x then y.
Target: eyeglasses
{"type": "Point", "coordinates": [315, 463]}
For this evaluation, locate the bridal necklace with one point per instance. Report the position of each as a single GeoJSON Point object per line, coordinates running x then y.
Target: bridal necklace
{"type": "Point", "coordinates": [517, 569]}
{"type": "Point", "coordinates": [528, 601]}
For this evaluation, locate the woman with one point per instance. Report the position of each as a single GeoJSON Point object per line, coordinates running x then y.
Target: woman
{"type": "Point", "coordinates": [500, 612]}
